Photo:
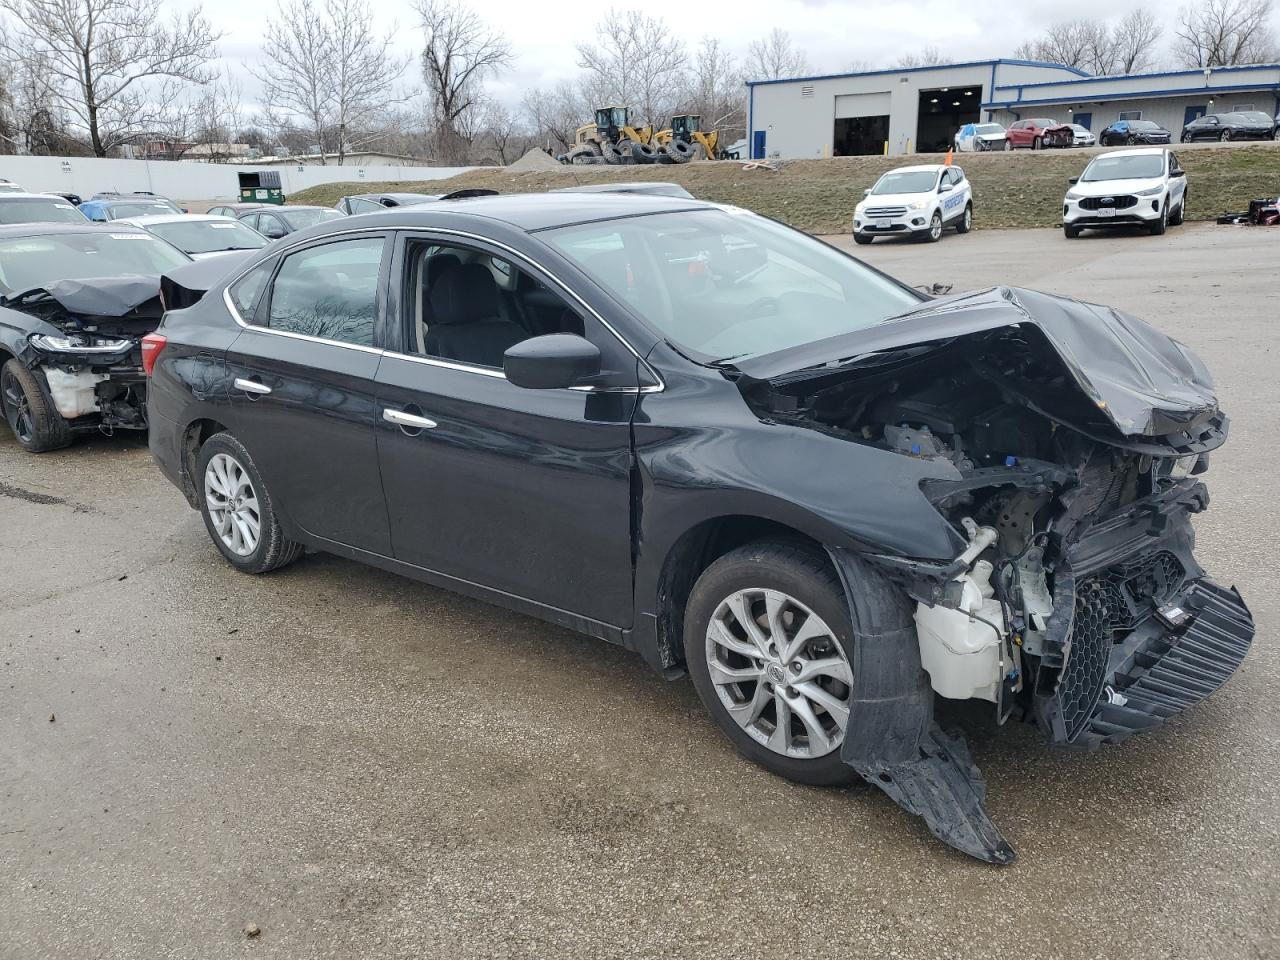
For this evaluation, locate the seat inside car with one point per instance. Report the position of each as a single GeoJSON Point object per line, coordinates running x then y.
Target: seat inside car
{"type": "Point", "coordinates": [466, 322]}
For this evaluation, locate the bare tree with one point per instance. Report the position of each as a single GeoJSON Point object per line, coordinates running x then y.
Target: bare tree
{"type": "Point", "coordinates": [774, 58]}
{"type": "Point", "coordinates": [716, 91]}
{"type": "Point", "coordinates": [1133, 42]}
{"type": "Point", "coordinates": [363, 70]}
{"type": "Point", "coordinates": [500, 128]}
{"type": "Point", "coordinates": [295, 70]}
{"type": "Point", "coordinates": [459, 52]}
{"type": "Point", "coordinates": [1096, 46]}
{"type": "Point", "coordinates": [555, 114]}
{"type": "Point", "coordinates": [1225, 33]}
{"type": "Point", "coordinates": [926, 57]}
{"type": "Point", "coordinates": [634, 61]}
{"type": "Point", "coordinates": [102, 55]}
{"type": "Point", "coordinates": [219, 116]}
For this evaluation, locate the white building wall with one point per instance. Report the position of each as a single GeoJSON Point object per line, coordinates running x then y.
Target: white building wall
{"type": "Point", "coordinates": [196, 182]}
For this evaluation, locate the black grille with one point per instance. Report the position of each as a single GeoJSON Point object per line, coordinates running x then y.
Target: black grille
{"type": "Point", "coordinates": [1119, 203]}
{"type": "Point", "coordinates": [1080, 683]}
{"type": "Point", "coordinates": [1134, 589]}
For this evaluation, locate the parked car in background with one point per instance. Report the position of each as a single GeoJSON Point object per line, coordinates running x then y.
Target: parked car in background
{"type": "Point", "coordinates": [37, 208]}
{"type": "Point", "coordinates": [977, 137]}
{"type": "Point", "coordinates": [8, 186]}
{"type": "Point", "coordinates": [373, 202]}
{"type": "Point", "coordinates": [234, 210]}
{"type": "Point", "coordinates": [727, 446]}
{"type": "Point", "coordinates": [1082, 136]}
{"type": "Point", "coordinates": [919, 201]}
{"type": "Point", "coordinates": [1134, 132]}
{"type": "Point", "coordinates": [72, 198]}
{"type": "Point", "coordinates": [650, 187]}
{"type": "Point", "coordinates": [276, 222]}
{"type": "Point", "coordinates": [201, 235]}
{"type": "Point", "coordinates": [1144, 186]}
{"type": "Point", "coordinates": [1253, 125]}
{"type": "Point", "coordinates": [120, 208]}
{"type": "Point", "coordinates": [1038, 133]}
{"type": "Point", "coordinates": [75, 302]}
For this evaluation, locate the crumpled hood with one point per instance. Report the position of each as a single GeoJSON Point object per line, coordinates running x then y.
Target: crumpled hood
{"type": "Point", "coordinates": [1146, 383]}
{"type": "Point", "coordinates": [90, 297]}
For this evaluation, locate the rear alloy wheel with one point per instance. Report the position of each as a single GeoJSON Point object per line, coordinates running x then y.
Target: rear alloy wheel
{"type": "Point", "coordinates": [237, 509]}
{"type": "Point", "coordinates": [30, 412]}
{"type": "Point", "coordinates": [767, 641]}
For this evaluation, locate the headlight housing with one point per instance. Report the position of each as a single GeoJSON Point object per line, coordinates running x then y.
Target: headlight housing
{"type": "Point", "coordinates": [1149, 192]}
{"type": "Point", "coordinates": [78, 343]}
{"type": "Point", "coordinates": [1074, 195]}
{"type": "Point", "coordinates": [917, 204]}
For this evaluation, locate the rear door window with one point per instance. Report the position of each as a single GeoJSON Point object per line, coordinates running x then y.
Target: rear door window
{"type": "Point", "coordinates": [329, 291]}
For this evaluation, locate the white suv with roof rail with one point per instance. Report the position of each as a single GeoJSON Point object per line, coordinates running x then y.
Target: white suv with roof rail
{"type": "Point", "coordinates": [918, 201]}
{"type": "Point", "coordinates": [1143, 186]}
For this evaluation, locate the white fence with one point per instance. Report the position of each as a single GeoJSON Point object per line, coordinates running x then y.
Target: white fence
{"type": "Point", "coordinates": [196, 182]}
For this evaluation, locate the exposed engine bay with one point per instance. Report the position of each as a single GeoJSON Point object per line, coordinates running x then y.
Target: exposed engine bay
{"type": "Point", "coordinates": [87, 345]}
{"type": "Point", "coordinates": [1073, 599]}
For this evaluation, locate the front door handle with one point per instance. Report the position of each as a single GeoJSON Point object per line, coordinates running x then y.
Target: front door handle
{"type": "Point", "coordinates": [411, 421]}
{"type": "Point", "coordinates": [251, 386]}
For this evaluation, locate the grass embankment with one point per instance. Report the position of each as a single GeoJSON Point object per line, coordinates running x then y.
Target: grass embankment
{"type": "Point", "coordinates": [1011, 190]}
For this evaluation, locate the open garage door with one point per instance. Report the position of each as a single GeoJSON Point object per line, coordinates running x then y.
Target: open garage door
{"type": "Point", "coordinates": [861, 124]}
{"type": "Point", "coordinates": [942, 113]}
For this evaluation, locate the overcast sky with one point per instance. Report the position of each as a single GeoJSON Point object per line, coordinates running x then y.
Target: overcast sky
{"type": "Point", "coordinates": [833, 34]}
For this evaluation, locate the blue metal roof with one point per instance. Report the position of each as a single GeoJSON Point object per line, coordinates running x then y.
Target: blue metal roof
{"type": "Point", "coordinates": [939, 66]}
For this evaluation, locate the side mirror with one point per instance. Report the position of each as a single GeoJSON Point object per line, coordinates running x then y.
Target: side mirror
{"type": "Point", "coordinates": [1177, 173]}
{"type": "Point", "coordinates": [552, 361]}
{"type": "Point", "coordinates": [273, 231]}
{"type": "Point", "coordinates": [946, 188]}
{"type": "Point", "coordinates": [1073, 180]}
{"type": "Point", "coordinates": [866, 192]}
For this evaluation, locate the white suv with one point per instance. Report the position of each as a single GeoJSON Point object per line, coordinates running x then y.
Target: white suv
{"type": "Point", "coordinates": [915, 201]}
{"type": "Point", "coordinates": [1140, 186]}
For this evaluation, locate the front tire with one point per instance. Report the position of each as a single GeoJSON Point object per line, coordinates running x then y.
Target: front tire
{"type": "Point", "coordinates": [965, 223]}
{"type": "Point", "coordinates": [1070, 232]}
{"type": "Point", "coordinates": [1158, 226]}
{"type": "Point", "coordinates": [1008, 145]}
{"type": "Point", "coordinates": [861, 239]}
{"type": "Point", "coordinates": [1177, 217]}
{"type": "Point", "coordinates": [1224, 136]}
{"type": "Point", "coordinates": [30, 412]}
{"type": "Point", "coordinates": [769, 644]}
{"type": "Point", "coordinates": [237, 508]}
{"type": "Point", "coordinates": [1037, 144]}
{"type": "Point", "coordinates": [934, 233]}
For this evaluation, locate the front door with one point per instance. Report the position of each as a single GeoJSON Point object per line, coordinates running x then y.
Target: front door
{"type": "Point", "coordinates": [757, 145]}
{"type": "Point", "coordinates": [527, 492]}
{"type": "Point", "coordinates": [302, 397]}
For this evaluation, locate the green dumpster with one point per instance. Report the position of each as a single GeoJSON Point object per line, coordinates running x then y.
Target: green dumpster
{"type": "Point", "coordinates": [261, 187]}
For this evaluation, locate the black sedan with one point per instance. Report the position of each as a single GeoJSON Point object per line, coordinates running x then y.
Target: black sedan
{"type": "Point", "coordinates": [1134, 132]}
{"type": "Point", "coordinates": [735, 450]}
{"type": "Point", "coordinates": [75, 301]}
{"type": "Point", "coordinates": [276, 222]}
{"type": "Point", "coordinates": [1253, 125]}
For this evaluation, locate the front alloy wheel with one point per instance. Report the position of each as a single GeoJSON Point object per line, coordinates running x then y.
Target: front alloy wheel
{"type": "Point", "coordinates": [935, 227]}
{"type": "Point", "coordinates": [778, 671]}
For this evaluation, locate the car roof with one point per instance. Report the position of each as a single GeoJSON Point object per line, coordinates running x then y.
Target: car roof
{"type": "Point", "coordinates": [538, 211]}
{"type": "Point", "coordinates": [18, 230]}
{"type": "Point", "coordinates": [150, 218]}
{"type": "Point", "coordinates": [1135, 151]}
{"type": "Point", "coordinates": [393, 196]}
{"type": "Point", "coordinates": [297, 206]}
{"type": "Point", "coordinates": [14, 195]}
{"type": "Point", "coordinates": [919, 167]}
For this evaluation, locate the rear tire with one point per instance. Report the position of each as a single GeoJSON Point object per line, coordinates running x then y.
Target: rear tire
{"type": "Point", "coordinates": [233, 500]}
{"type": "Point", "coordinates": [29, 410]}
{"type": "Point", "coordinates": [804, 577]}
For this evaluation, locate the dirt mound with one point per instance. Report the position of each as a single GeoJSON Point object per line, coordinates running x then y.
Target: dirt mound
{"type": "Point", "coordinates": [533, 161]}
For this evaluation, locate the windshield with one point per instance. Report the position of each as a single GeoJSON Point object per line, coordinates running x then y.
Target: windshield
{"type": "Point", "coordinates": [1043, 122]}
{"type": "Point", "coordinates": [38, 210]}
{"type": "Point", "coordinates": [984, 128]}
{"type": "Point", "coordinates": [141, 208]}
{"type": "Point", "coordinates": [724, 284]}
{"type": "Point", "coordinates": [1133, 166]}
{"type": "Point", "coordinates": [208, 236]}
{"type": "Point", "coordinates": [907, 181]}
{"type": "Point", "coordinates": [308, 218]}
{"type": "Point", "coordinates": [1143, 125]}
{"type": "Point", "coordinates": [29, 262]}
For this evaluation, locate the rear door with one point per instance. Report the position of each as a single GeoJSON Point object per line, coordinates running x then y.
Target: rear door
{"type": "Point", "coordinates": [527, 492]}
{"type": "Point", "coordinates": [302, 384]}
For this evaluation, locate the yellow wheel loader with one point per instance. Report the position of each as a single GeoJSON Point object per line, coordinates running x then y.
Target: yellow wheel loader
{"type": "Point", "coordinates": [611, 139]}
{"type": "Point", "coordinates": [684, 140]}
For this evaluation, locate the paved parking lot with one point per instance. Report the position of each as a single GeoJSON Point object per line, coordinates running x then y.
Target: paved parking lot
{"type": "Point", "coordinates": [366, 767]}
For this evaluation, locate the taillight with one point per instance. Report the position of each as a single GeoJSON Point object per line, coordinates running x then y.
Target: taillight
{"type": "Point", "coordinates": [152, 344]}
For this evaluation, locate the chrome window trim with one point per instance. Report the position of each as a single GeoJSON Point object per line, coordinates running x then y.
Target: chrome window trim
{"type": "Point", "coordinates": [432, 361]}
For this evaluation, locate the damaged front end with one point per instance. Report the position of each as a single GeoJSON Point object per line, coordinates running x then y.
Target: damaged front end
{"type": "Point", "coordinates": [85, 340]}
{"type": "Point", "coordinates": [1077, 437]}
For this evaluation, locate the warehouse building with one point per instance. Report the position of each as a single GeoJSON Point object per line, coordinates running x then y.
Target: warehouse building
{"type": "Point", "coordinates": [919, 109]}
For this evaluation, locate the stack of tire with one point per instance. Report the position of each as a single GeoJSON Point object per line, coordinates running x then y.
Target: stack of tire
{"type": "Point", "coordinates": [677, 151]}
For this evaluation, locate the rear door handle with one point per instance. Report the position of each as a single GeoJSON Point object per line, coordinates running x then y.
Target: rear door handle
{"type": "Point", "coordinates": [409, 420]}
{"type": "Point", "coordinates": [251, 386]}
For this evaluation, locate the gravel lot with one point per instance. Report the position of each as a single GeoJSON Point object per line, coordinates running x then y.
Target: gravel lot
{"type": "Point", "coordinates": [365, 767]}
